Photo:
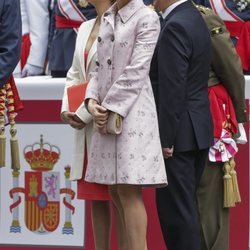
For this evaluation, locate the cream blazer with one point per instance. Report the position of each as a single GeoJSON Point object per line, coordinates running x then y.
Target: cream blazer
{"type": "Point", "coordinates": [77, 74]}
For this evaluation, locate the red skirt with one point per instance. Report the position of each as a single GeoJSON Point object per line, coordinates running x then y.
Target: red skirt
{"type": "Point", "coordinates": [90, 191]}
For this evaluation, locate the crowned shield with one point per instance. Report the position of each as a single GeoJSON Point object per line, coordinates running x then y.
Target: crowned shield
{"type": "Point", "coordinates": [42, 201]}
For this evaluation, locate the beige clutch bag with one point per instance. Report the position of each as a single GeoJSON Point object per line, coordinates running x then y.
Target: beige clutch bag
{"type": "Point", "coordinates": [114, 125]}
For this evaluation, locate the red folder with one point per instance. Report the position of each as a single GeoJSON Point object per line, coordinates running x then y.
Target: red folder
{"type": "Point", "coordinates": [76, 95]}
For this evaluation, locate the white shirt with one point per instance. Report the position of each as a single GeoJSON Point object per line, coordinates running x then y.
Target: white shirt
{"type": "Point", "coordinates": [171, 7]}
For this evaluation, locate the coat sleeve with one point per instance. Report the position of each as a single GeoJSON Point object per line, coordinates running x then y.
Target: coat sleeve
{"type": "Point", "coordinates": [173, 54]}
{"type": "Point", "coordinates": [10, 38]}
{"type": "Point", "coordinates": [38, 14]}
{"type": "Point", "coordinates": [93, 85]}
{"type": "Point", "coordinates": [73, 77]}
{"type": "Point", "coordinates": [227, 66]}
{"type": "Point", "coordinates": [128, 86]}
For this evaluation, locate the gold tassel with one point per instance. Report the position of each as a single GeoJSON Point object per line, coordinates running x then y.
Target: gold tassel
{"type": "Point", "coordinates": [2, 128]}
{"type": "Point", "coordinates": [233, 174]}
{"type": "Point", "coordinates": [228, 186]}
{"type": "Point", "coordinates": [14, 147]}
{"type": "Point", "coordinates": [2, 143]}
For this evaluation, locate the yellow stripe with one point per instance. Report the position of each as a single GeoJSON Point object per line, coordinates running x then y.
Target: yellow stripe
{"type": "Point", "coordinates": [36, 219]}
{"type": "Point", "coordinates": [33, 216]}
{"type": "Point", "coordinates": [29, 210]}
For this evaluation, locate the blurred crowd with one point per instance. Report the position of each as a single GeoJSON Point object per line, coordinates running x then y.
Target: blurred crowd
{"type": "Point", "coordinates": [49, 29]}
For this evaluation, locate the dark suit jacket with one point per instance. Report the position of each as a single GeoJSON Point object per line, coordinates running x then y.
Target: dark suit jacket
{"type": "Point", "coordinates": [10, 38]}
{"type": "Point", "coordinates": [179, 74]}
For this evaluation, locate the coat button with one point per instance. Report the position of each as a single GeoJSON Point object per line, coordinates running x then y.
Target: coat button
{"type": "Point", "coordinates": [112, 39]}
{"type": "Point", "coordinates": [99, 39]}
{"type": "Point", "coordinates": [97, 63]}
{"type": "Point", "coordinates": [109, 62]}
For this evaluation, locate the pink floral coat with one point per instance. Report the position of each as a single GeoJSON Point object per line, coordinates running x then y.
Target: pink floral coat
{"type": "Point", "coordinates": [121, 83]}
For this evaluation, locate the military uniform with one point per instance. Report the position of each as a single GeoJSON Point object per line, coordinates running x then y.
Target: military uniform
{"type": "Point", "coordinates": [10, 38]}
{"type": "Point", "coordinates": [237, 22]}
{"type": "Point", "coordinates": [226, 70]}
{"type": "Point", "coordinates": [35, 33]}
{"type": "Point", "coordinates": [66, 18]}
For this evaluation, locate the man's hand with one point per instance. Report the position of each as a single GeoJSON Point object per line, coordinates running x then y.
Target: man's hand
{"type": "Point", "coordinates": [168, 152]}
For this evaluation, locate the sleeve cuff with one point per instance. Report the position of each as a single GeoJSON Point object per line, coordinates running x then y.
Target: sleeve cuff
{"type": "Point", "coordinates": [84, 115]}
{"type": "Point", "coordinates": [113, 109]}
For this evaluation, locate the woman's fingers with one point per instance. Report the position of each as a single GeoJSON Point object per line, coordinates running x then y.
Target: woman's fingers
{"type": "Point", "coordinates": [76, 125]}
{"type": "Point", "coordinates": [101, 109]}
{"type": "Point", "coordinates": [67, 116]}
{"type": "Point", "coordinates": [100, 113]}
{"type": "Point", "coordinates": [100, 123]}
{"type": "Point", "coordinates": [101, 118]}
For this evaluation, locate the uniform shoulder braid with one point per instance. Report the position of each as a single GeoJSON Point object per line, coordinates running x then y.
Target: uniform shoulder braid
{"type": "Point", "coordinates": [212, 20]}
{"type": "Point", "coordinates": [204, 10]}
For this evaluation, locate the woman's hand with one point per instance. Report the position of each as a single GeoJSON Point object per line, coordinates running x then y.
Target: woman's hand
{"type": "Point", "coordinates": [100, 115]}
{"type": "Point", "coordinates": [77, 123]}
{"type": "Point", "coordinates": [72, 119]}
{"type": "Point", "coordinates": [66, 116]}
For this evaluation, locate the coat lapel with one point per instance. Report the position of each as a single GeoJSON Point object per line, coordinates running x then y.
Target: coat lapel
{"type": "Point", "coordinates": [85, 35]}
{"type": "Point", "coordinates": [92, 52]}
{"type": "Point", "coordinates": [109, 15]}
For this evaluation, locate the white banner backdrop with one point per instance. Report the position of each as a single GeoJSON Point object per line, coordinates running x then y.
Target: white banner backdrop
{"type": "Point", "coordinates": [37, 203]}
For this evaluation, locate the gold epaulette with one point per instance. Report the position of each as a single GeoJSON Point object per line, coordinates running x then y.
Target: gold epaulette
{"type": "Point", "coordinates": [212, 20]}
{"type": "Point", "coordinates": [203, 9]}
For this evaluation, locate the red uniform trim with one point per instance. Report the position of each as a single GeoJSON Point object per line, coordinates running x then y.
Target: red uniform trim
{"type": "Point", "coordinates": [62, 22]}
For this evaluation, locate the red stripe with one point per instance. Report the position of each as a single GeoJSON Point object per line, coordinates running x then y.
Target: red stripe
{"type": "Point", "coordinates": [43, 111]}
{"type": "Point", "coordinates": [25, 49]}
{"type": "Point", "coordinates": [62, 22]}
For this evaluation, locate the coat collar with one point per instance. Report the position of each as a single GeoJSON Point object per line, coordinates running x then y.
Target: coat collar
{"type": "Point", "coordinates": [127, 11]}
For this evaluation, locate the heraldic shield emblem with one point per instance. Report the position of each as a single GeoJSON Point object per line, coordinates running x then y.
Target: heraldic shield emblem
{"type": "Point", "coordinates": [42, 192]}
{"type": "Point", "coordinates": [42, 201]}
